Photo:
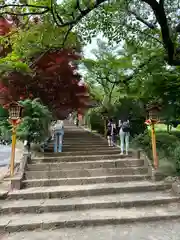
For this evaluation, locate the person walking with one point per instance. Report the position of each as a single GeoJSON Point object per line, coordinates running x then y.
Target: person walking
{"type": "Point", "coordinates": [58, 135]}
{"type": "Point", "coordinates": [124, 133]}
{"type": "Point", "coordinates": [110, 132]}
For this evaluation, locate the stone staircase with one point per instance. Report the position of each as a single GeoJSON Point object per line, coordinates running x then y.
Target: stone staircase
{"type": "Point", "coordinates": [89, 184]}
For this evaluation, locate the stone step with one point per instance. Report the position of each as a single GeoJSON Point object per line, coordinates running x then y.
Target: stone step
{"type": "Point", "coordinates": [79, 158]}
{"type": "Point", "coordinates": [88, 152]}
{"type": "Point", "coordinates": [156, 230]}
{"type": "Point", "coordinates": [84, 145]}
{"type": "Point", "coordinates": [128, 200]}
{"type": "Point", "coordinates": [83, 180]}
{"type": "Point", "coordinates": [88, 190]}
{"type": "Point", "coordinates": [86, 164]}
{"type": "Point", "coordinates": [86, 148]}
{"type": "Point", "coordinates": [79, 134]}
{"type": "Point", "coordinates": [24, 222]}
{"type": "Point", "coordinates": [93, 149]}
{"type": "Point", "coordinates": [76, 173]}
{"type": "Point", "coordinates": [85, 140]}
{"type": "Point", "coordinates": [82, 137]}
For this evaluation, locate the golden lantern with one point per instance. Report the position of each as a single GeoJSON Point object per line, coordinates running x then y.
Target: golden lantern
{"type": "Point", "coordinates": [15, 112]}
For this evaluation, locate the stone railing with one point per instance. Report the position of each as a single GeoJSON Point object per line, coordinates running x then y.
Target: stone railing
{"type": "Point", "coordinates": [16, 181]}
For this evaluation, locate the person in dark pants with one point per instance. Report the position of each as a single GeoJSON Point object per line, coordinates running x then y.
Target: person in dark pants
{"type": "Point", "coordinates": [111, 127]}
{"type": "Point", "coordinates": [124, 134]}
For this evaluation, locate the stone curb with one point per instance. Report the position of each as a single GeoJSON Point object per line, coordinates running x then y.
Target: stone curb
{"type": "Point", "coordinates": [16, 181]}
{"type": "Point", "coordinates": [10, 227]}
{"type": "Point", "coordinates": [82, 181]}
{"type": "Point", "coordinates": [175, 185]}
{"type": "Point", "coordinates": [85, 192]}
{"type": "Point", "coordinates": [50, 207]}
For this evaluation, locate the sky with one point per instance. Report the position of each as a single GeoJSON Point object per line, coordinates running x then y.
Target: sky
{"type": "Point", "coordinates": [89, 47]}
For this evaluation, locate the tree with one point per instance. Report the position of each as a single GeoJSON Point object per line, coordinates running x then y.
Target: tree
{"type": "Point", "coordinates": [39, 67]}
{"type": "Point", "coordinates": [106, 75]}
{"type": "Point", "coordinates": [141, 19]}
{"type": "Point", "coordinates": [106, 71]}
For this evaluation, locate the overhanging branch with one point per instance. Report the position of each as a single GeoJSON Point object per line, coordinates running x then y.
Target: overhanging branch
{"type": "Point", "coordinates": [66, 35]}
{"type": "Point", "coordinates": [3, 7]}
{"type": "Point", "coordinates": [148, 24]}
{"type": "Point", "coordinates": [82, 13]}
{"type": "Point", "coordinates": [126, 80]}
{"type": "Point", "coordinates": [23, 5]}
{"type": "Point", "coordinates": [26, 14]}
{"type": "Point", "coordinates": [158, 9]}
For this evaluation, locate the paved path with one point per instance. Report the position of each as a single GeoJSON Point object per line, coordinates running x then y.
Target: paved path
{"type": "Point", "coordinates": [5, 152]}
{"type": "Point", "coordinates": [142, 231]}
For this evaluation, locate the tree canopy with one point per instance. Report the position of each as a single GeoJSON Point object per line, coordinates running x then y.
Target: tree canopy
{"type": "Point", "coordinates": [41, 64]}
{"type": "Point", "coordinates": [148, 22]}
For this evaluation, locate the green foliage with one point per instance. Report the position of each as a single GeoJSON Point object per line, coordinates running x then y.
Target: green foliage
{"type": "Point", "coordinates": [167, 148]}
{"type": "Point", "coordinates": [12, 63]}
{"type": "Point", "coordinates": [95, 120]}
{"type": "Point", "coordinates": [5, 127]}
{"type": "Point", "coordinates": [35, 121]}
{"type": "Point", "coordinates": [31, 39]}
{"type": "Point", "coordinates": [41, 37]}
{"type": "Point", "coordinates": [105, 72]}
{"type": "Point", "coordinates": [3, 113]}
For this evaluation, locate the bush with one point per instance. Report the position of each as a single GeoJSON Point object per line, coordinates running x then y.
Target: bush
{"type": "Point", "coordinates": [122, 109]}
{"type": "Point", "coordinates": [95, 120]}
{"type": "Point", "coordinates": [168, 149]}
{"type": "Point", "coordinates": [34, 126]}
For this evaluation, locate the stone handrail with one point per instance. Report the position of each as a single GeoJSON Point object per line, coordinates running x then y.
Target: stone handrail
{"type": "Point", "coordinates": [16, 181]}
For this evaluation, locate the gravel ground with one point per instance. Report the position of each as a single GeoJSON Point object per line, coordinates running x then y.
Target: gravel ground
{"type": "Point", "coordinates": [167, 230]}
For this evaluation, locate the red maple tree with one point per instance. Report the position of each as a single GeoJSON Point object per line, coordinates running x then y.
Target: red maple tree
{"type": "Point", "coordinates": [54, 80]}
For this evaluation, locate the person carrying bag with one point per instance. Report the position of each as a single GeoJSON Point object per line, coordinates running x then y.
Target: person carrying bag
{"type": "Point", "coordinates": [111, 129]}
{"type": "Point", "coordinates": [124, 133]}
{"type": "Point", "coordinates": [58, 135]}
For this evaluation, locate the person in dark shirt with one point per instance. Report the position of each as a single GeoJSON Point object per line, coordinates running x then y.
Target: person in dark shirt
{"type": "Point", "coordinates": [110, 132]}
{"type": "Point", "coordinates": [124, 133]}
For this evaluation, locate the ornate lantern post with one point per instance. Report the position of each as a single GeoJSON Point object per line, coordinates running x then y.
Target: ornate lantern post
{"type": "Point", "coordinates": [153, 119]}
{"type": "Point", "coordinates": [15, 113]}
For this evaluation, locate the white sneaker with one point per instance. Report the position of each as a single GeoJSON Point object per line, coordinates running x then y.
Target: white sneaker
{"type": "Point", "coordinates": [121, 153]}
{"type": "Point", "coordinates": [127, 154]}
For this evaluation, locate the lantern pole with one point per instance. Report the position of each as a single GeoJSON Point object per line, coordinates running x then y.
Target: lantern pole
{"type": "Point", "coordinates": [13, 147]}
{"type": "Point", "coordinates": [154, 150]}
{"type": "Point", "coordinates": [153, 116]}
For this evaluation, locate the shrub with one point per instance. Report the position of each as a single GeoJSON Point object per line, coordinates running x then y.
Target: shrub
{"type": "Point", "coordinates": [97, 122]}
{"type": "Point", "coordinates": [34, 126]}
{"type": "Point", "coordinates": [168, 149]}
{"type": "Point", "coordinates": [125, 108]}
